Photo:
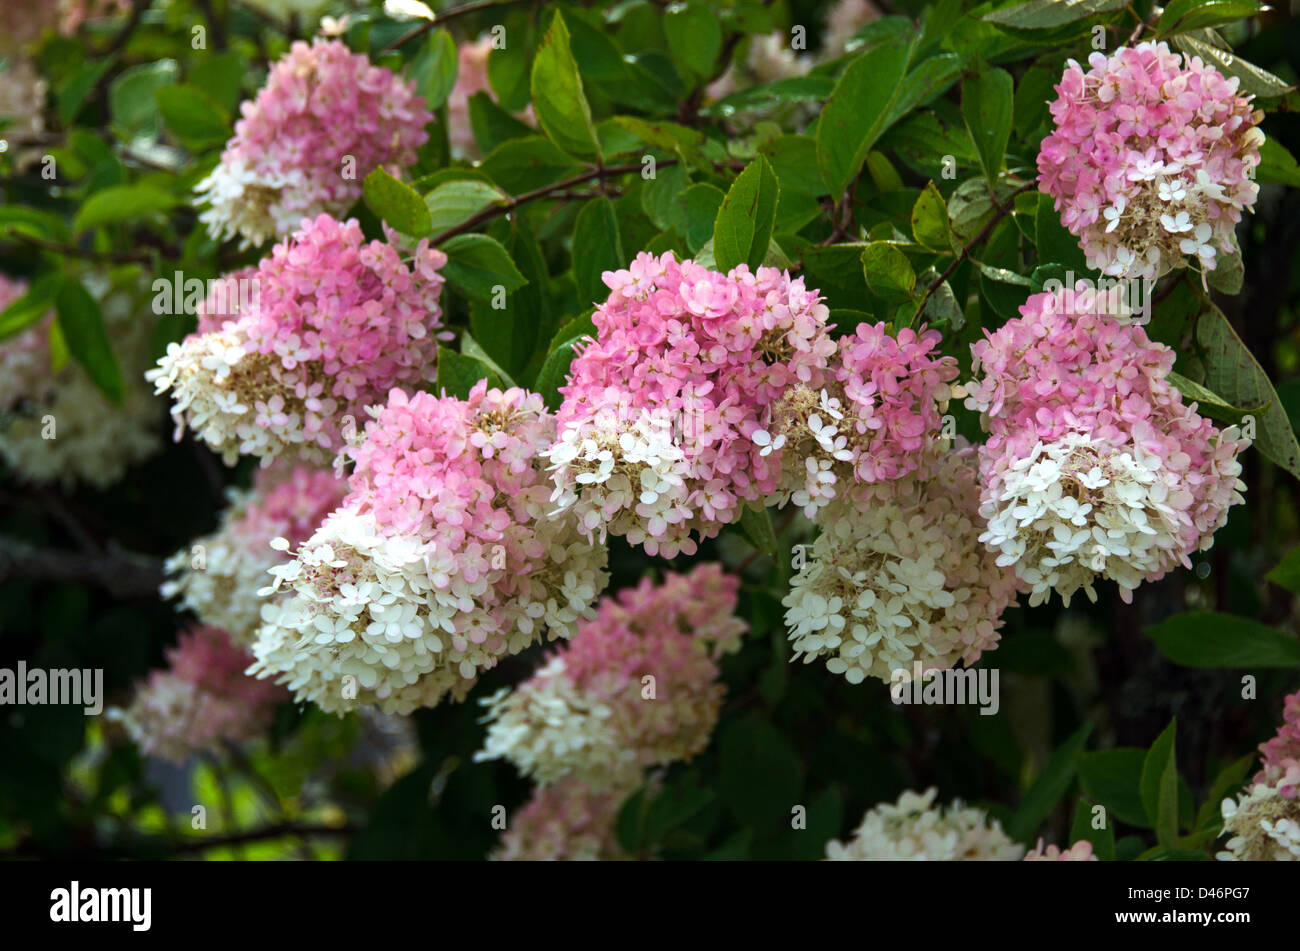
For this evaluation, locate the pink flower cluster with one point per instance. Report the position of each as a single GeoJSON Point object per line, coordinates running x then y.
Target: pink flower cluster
{"type": "Point", "coordinates": [1152, 160]}
{"type": "Point", "coordinates": [564, 822]}
{"type": "Point", "coordinates": [440, 561]}
{"type": "Point", "coordinates": [325, 119]}
{"type": "Point", "coordinates": [202, 698]}
{"type": "Point", "coordinates": [657, 426]}
{"type": "Point", "coordinates": [1094, 466]}
{"type": "Point", "coordinates": [1081, 851]}
{"type": "Point", "coordinates": [1281, 755]}
{"type": "Point", "coordinates": [218, 576]}
{"type": "Point", "coordinates": [635, 687]}
{"type": "Point", "coordinates": [867, 419]}
{"type": "Point", "coordinates": [337, 323]}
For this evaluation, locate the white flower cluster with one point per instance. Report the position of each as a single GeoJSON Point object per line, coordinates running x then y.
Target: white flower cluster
{"type": "Point", "coordinates": [896, 576]}
{"type": "Point", "coordinates": [631, 475]}
{"type": "Point", "coordinates": [225, 392]}
{"type": "Point", "coordinates": [817, 433]}
{"type": "Point", "coordinates": [250, 204]}
{"type": "Point", "coordinates": [1073, 511]}
{"type": "Point", "coordinates": [67, 431]}
{"type": "Point", "coordinates": [914, 830]}
{"type": "Point", "coordinates": [551, 730]}
{"type": "Point", "coordinates": [394, 614]}
{"type": "Point", "coordinates": [219, 580]}
{"type": "Point", "coordinates": [1264, 825]}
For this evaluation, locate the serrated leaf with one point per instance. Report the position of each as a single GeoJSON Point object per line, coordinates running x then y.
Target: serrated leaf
{"type": "Point", "coordinates": [1233, 372]}
{"type": "Point", "coordinates": [558, 97]}
{"type": "Point", "coordinates": [1179, 16]}
{"type": "Point", "coordinates": [1211, 404]}
{"type": "Point", "coordinates": [1254, 80]}
{"type": "Point", "coordinates": [988, 106]}
{"type": "Point", "coordinates": [597, 248]}
{"type": "Point", "coordinates": [453, 203]}
{"type": "Point", "coordinates": [694, 37]}
{"type": "Point", "coordinates": [747, 217]}
{"type": "Point", "coordinates": [858, 112]}
{"type": "Point", "coordinates": [1046, 14]}
{"type": "Point", "coordinates": [458, 373]}
{"type": "Point", "coordinates": [477, 265]}
{"type": "Point", "coordinates": [930, 221]}
{"type": "Point", "coordinates": [888, 272]}
{"type": "Point", "coordinates": [1211, 639]}
{"type": "Point", "coordinates": [396, 202]}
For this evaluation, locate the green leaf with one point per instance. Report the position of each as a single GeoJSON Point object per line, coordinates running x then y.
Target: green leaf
{"type": "Point", "coordinates": [988, 106]}
{"type": "Point", "coordinates": [694, 37]}
{"type": "Point", "coordinates": [87, 340]}
{"type": "Point", "coordinates": [558, 99]}
{"type": "Point", "coordinates": [221, 77]}
{"type": "Point", "coordinates": [1277, 164]}
{"type": "Point", "coordinates": [756, 526]}
{"type": "Point", "coordinates": [1229, 780]}
{"type": "Point", "coordinates": [73, 94]}
{"type": "Point", "coordinates": [458, 373]}
{"type": "Point", "coordinates": [924, 83]}
{"type": "Point", "coordinates": [1211, 639]}
{"type": "Point", "coordinates": [1113, 778]}
{"type": "Point", "coordinates": [478, 265]}
{"type": "Point", "coordinates": [1229, 274]}
{"type": "Point", "coordinates": [888, 272]}
{"type": "Point", "coordinates": [195, 119]}
{"type": "Point", "coordinates": [521, 165]}
{"type": "Point", "coordinates": [694, 212]}
{"type": "Point", "coordinates": [508, 75]}
{"type": "Point", "coordinates": [596, 248]}
{"type": "Point", "coordinates": [1286, 574]}
{"type": "Point", "coordinates": [30, 307]}
{"type": "Point", "coordinates": [396, 202]}
{"type": "Point", "coordinates": [814, 88]}
{"type": "Point", "coordinates": [858, 112]}
{"type": "Point", "coordinates": [1183, 15]}
{"type": "Point", "coordinates": [760, 774]}
{"type": "Point", "coordinates": [469, 347]}
{"type": "Point", "coordinates": [453, 203]}
{"type": "Point", "coordinates": [555, 369]}
{"type": "Point", "coordinates": [1103, 839]}
{"type": "Point", "coordinates": [670, 137]}
{"type": "Point", "coordinates": [930, 221]}
{"type": "Point", "coordinates": [747, 217]}
{"type": "Point", "coordinates": [1159, 786]}
{"type": "Point", "coordinates": [492, 125]}
{"type": "Point", "coordinates": [1254, 80]}
{"type": "Point", "coordinates": [1211, 404]}
{"type": "Point", "coordinates": [1049, 787]}
{"type": "Point", "coordinates": [1046, 14]}
{"type": "Point", "coordinates": [1232, 372]}
{"type": "Point", "coordinates": [121, 203]}
{"type": "Point", "coordinates": [131, 96]}
{"type": "Point", "coordinates": [434, 70]}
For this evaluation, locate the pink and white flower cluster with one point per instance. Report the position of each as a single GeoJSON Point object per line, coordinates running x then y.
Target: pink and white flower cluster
{"type": "Point", "coordinates": [202, 698]}
{"type": "Point", "coordinates": [1263, 823]}
{"type": "Point", "coordinates": [325, 119]}
{"type": "Point", "coordinates": [338, 322]}
{"type": "Point", "coordinates": [1081, 851]}
{"type": "Point", "coordinates": [897, 576]}
{"type": "Point", "coordinates": [657, 428]}
{"type": "Point", "coordinates": [55, 424]}
{"type": "Point", "coordinates": [1152, 160]}
{"type": "Point", "coordinates": [915, 830]}
{"type": "Point", "coordinates": [1094, 467]}
{"type": "Point", "coordinates": [219, 576]}
{"type": "Point", "coordinates": [866, 419]}
{"type": "Point", "coordinates": [636, 687]}
{"type": "Point", "coordinates": [567, 821]}
{"type": "Point", "coordinates": [442, 559]}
